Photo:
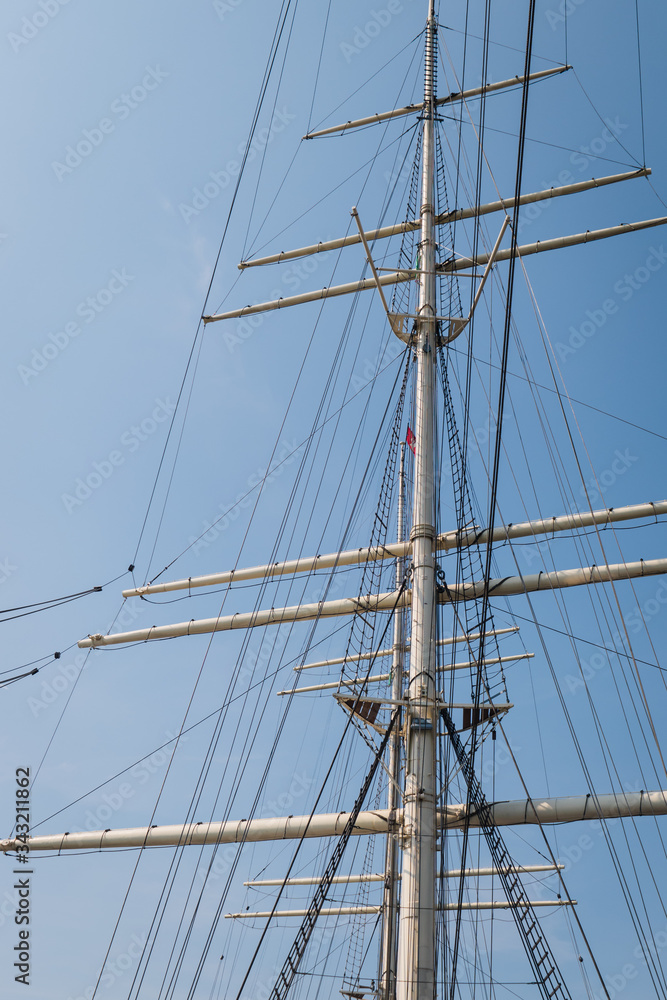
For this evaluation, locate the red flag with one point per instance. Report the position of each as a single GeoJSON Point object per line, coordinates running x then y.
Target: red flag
{"type": "Point", "coordinates": [411, 439]}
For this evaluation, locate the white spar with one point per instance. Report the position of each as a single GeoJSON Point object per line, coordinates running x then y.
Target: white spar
{"type": "Point", "coordinates": [448, 267]}
{"type": "Point", "coordinates": [505, 586]}
{"type": "Point", "coordinates": [378, 678]}
{"type": "Point", "coordinates": [384, 116]}
{"type": "Point", "coordinates": [251, 619]}
{"type": "Point", "coordinates": [356, 657]}
{"type": "Point", "coordinates": [398, 550]}
{"type": "Point", "coordinates": [456, 215]}
{"type": "Point", "coordinates": [517, 812]}
{"type": "Point", "coordinates": [368, 909]}
{"type": "Point", "coordinates": [558, 579]}
{"type": "Point", "coordinates": [380, 876]}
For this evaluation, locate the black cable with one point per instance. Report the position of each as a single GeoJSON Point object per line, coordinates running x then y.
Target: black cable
{"type": "Point", "coordinates": [54, 602]}
{"type": "Point", "coordinates": [571, 399]}
{"type": "Point", "coordinates": [284, 716]}
{"type": "Point", "coordinates": [641, 85]}
{"type": "Point", "coordinates": [273, 469]}
{"type": "Point", "coordinates": [319, 65]}
{"type": "Point", "coordinates": [282, 17]}
{"type": "Point", "coordinates": [588, 98]}
{"type": "Point", "coordinates": [347, 726]}
{"type": "Point", "coordinates": [266, 145]}
{"type": "Point", "coordinates": [367, 80]}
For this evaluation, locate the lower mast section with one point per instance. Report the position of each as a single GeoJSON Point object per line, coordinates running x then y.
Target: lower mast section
{"type": "Point", "coordinates": [387, 969]}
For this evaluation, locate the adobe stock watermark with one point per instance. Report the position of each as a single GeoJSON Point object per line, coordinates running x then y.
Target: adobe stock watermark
{"type": "Point", "coordinates": [7, 569]}
{"type": "Point", "coordinates": [67, 673]}
{"type": "Point", "coordinates": [585, 155]}
{"type": "Point", "coordinates": [616, 982]}
{"type": "Point", "coordinates": [280, 806]}
{"type": "Point", "coordinates": [635, 621]}
{"type": "Point", "coordinates": [50, 690]}
{"type": "Point", "coordinates": [621, 462]}
{"type": "Point", "coordinates": [224, 7]}
{"type": "Point", "coordinates": [503, 757]}
{"type": "Point", "coordinates": [624, 289]}
{"type": "Point", "coordinates": [9, 905]}
{"type": "Point", "coordinates": [121, 109]}
{"type": "Point", "coordinates": [590, 494]}
{"type": "Point", "coordinates": [221, 179]}
{"type": "Point", "coordinates": [363, 34]}
{"type": "Point", "coordinates": [321, 937]}
{"type": "Point", "coordinates": [229, 512]}
{"type": "Point", "coordinates": [115, 968]}
{"type": "Point", "coordinates": [139, 775]}
{"type": "Point", "coordinates": [292, 279]}
{"type": "Point", "coordinates": [130, 442]}
{"type": "Point", "coordinates": [369, 368]}
{"type": "Point", "coordinates": [564, 10]}
{"type": "Point", "coordinates": [87, 311]}
{"type": "Point", "coordinates": [579, 161]}
{"type": "Point", "coordinates": [35, 22]}
{"type": "Point", "coordinates": [586, 842]}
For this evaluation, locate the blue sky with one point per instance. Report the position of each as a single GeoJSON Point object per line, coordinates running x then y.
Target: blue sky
{"type": "Point", "coordinates": [123, 128]}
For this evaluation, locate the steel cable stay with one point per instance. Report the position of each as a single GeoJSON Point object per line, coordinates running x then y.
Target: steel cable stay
{"type": "Point", "coordinates": [319, 64]}
{"type": "Point", "coordinates": [540, 956]}
{"type": "Point", "coordinates": [297, 951]}
{"type": "Point", "coordinates": [219, 730]}
{"type": "Point", "coordinates": [349, 721]}
{"type": "Point", "coordinates": [221, 903]}
{"type": "Point", "coordinates": [272, 113]}
{"type": "Point", "coordinates": [579, 534]}
{"type": "Point", "coordinates": [185, 732]}
{"type": "Point", "coordinates": [531, 381]}
{"type": "Point", "coordinates": [317, 429]}
{"type": "Point", "coordinates": [348, 828]}
{"type": "Point", "coordinates": [655, 971]}
{"type": "Point", "coordinates": [613, 852]}
{"type": "Point", "coordinates": [354, 961]}
{"type": "Point", "coordinates": [246, 253]}
{"type": "Point", "coordinates": [616, 600]}
{"type": "Point", "coordinates": [484, 612]}
{"type": "Point", "coordinates": [229, 882]}
{"type": "Point", "coordinates": [598, 724]}
{"type": "Point", "coordinates": [605, 749]}
{"type": "Point", "coordinates": [280, 24]}
{"type": "Point", "coordinates": [618, 866]}
{"type": "Point", "coordinates": [412, 41]}
{"type": "Point", "coordinates": [55, 602]}
{"type": "Point", "coordinates": [609, 760]}
{"type": "Point", "coordinates": [310, 441]}
{"type": "Point", "coordinates": [457, 925]}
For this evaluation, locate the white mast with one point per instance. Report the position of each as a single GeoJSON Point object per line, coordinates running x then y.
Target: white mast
{"type": "Point", "coordinates": [415, 978]}
{"type": "Point", "coordinates": [387, 976]}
